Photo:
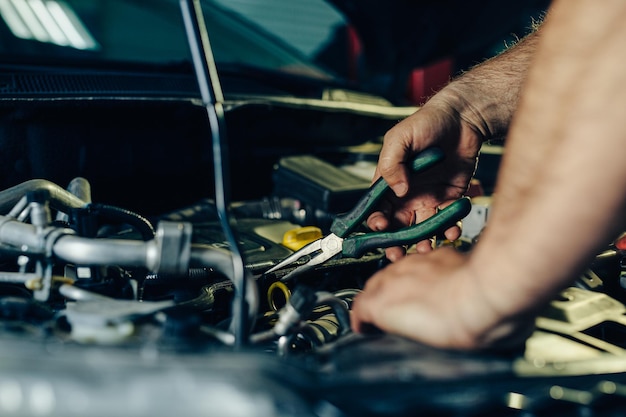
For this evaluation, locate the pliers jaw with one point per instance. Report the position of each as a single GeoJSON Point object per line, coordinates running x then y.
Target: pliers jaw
{"type": "Point", "coordinates": [309, 249]}
{"type": "Point", "coordinates": [319, 251]}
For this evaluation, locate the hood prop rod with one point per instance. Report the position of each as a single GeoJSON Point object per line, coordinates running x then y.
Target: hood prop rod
{"type": "Point", "coordinates": [212, 99]}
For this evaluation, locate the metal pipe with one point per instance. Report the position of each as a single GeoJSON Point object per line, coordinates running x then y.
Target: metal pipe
{"type": "Point", "coordinates": [64, 244]}
{"type": "Point", "coordinates": [124, 252]}
{"type": "Point", "coordinates": [21, 235]}
{"type": "Point", "coordinates": [59, 197]}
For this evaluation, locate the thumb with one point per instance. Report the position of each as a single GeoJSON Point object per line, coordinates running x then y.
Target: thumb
{"type": "Point", "coordinates": [394, 172]}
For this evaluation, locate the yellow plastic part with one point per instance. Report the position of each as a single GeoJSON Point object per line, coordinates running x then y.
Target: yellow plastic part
{"type": "Point", "coordinates": [278, 295]}
{"type": "Point", "coordinates": [296, 239]}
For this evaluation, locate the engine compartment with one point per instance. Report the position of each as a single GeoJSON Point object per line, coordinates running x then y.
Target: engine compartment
{"type": "Point", "coordinates": [138, 223]}
{"type": "Point", "coordinates": [117, 295]}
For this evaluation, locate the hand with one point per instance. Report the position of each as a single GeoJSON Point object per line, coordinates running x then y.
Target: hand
{"type": "Point", "coordinates": [437, 300]}
{"type": "Point", "coordinates": [417, 197]}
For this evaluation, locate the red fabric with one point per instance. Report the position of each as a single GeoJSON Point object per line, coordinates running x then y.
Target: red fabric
{"type": "Point", "coordinates": [425, 81]}
{"type": "Point", "coordinates": [354, 51]}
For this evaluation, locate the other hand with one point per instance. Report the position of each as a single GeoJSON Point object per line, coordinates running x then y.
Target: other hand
{"type": "Point", "coordinates": [436, 299]}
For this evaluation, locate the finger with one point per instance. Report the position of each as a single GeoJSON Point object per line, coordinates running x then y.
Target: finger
{"type": "Point", "coordinates": [373, 307]}
{"type": "Point", "coordinates": [357, 317]}
{"type": "Point", "coordinates": [377, 221]}
{"type": "Point", "coordinates": [392, 159]}
{"type": "Point", "coordinates": [424, 246]}
{"type": "Point", "coordinates": [453, 233]}
{"type": "Point", "coordinates": [361, 316]}
{"type": "Point", "coordinates": [395, 253]}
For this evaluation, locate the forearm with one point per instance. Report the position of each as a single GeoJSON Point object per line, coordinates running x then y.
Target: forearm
{"type": "Point", "coordinates": [473, 108]}
{"type": "Point", "coordinates": [563, 178]}
{"type": "Point", "coordinates": [488, 95]}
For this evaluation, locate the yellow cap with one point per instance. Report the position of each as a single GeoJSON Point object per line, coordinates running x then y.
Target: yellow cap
{"type": "Point", "coordinates": [295, 239]}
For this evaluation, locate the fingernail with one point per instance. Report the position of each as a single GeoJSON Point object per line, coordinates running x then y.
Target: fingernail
{"type": "Point", "coordinates": [400, 189]}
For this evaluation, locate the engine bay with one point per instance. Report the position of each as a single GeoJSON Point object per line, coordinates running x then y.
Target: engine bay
{"type": "Point", "coordinates": [135, 241]}
{"type": "Point", "coordinates": [112, 311]}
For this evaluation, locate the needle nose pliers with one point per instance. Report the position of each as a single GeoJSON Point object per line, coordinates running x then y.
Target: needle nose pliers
{"type": "Point", "coordinates": [341, 241]}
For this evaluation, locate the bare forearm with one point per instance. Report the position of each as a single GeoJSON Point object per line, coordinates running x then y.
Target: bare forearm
{"type": "Point", "coordinates": [473, 108]}
{"type": "Point", "coordinates": [563, 177]}
{"type": "Point", "coordinates": [488, 95]}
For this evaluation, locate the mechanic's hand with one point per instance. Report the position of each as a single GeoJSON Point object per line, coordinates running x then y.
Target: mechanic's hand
{"type": "Point", "coordinates": [435, 299]}
{"type": "Point", "coordinates": [416, 198]}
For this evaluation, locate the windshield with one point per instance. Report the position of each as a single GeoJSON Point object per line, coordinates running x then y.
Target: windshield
{"type": "Point", "coordinates": [149, 32]}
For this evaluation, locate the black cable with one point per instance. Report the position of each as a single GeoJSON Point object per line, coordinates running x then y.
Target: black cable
{"type": "Point", "coordinates": [212, 99]}
{"type": "Point", "coordinates": [121, 215]}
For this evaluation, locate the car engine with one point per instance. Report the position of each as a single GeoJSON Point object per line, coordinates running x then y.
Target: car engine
{"type": "Point", "coordinates": [139, 286]}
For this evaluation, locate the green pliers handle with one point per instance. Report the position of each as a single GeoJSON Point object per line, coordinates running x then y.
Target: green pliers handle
{"type": "Point", "coordinates": [356, 246]}
{"type": "Point", "coordinates": [344, 224]}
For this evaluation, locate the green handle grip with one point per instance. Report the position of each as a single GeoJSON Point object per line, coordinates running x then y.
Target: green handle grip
{"type": "Point", "coordinates": [356, 246]}
{"type": "Point", "coordinates": [344, 224]}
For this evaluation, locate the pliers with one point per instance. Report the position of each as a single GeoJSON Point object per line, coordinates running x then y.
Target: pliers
{"type": "Point", "coordinates": [339, 241]}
